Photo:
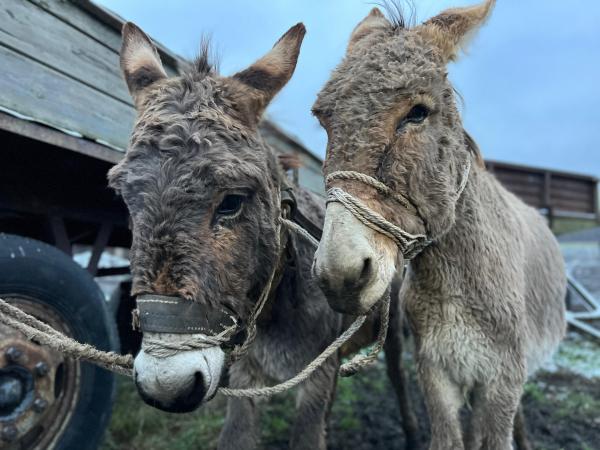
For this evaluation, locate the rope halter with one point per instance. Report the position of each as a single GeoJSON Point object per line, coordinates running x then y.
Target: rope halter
{"type": "Point", "coordinates": [203, 327]}
{"type": "Point", "coordinates": [409, 244]}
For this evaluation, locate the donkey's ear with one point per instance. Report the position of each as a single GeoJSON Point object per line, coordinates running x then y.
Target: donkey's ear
{"type": "Point", "coordinates": [140, 62]}
{"type": "Point", "coordinates": [265, 78]}
{"type": "Point", "coordinates": [374, 21]}
{"type": "Point", "coordinates": [450, 30]}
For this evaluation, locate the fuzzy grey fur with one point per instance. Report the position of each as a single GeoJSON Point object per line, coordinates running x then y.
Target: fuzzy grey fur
{"type": "Point", "coordinates": [195, 141]}
{"type": "Point", "coordinates": [486, 299]}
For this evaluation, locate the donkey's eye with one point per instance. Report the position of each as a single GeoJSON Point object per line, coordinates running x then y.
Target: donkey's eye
{"type": "Point", "coordinates": [231, 205]}
{"type": "Point", "coordinates": [417, 114]}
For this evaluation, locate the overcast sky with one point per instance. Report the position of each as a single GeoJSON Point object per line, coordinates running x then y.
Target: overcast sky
{"type": "Point", "coordinates": [530, 80]}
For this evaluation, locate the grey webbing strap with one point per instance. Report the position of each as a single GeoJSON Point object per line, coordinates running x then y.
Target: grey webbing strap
{"type": "Point", "coordinates": [165, 314]}
{"type": "Point", "coordinates": [288, 198]}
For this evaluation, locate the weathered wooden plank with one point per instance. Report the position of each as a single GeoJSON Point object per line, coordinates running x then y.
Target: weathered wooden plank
{"type": "Point", "coordinates": [57, 138]}
{"type": "Point", "coordinates": [519, 177]}
{"type": "Point", "coordinates": [35, 90]}
{"type": "Point", "coordinates": [83, 20]}
{"type": "Point", "coordinates": [563, 183]}
{"type": "Point", "coordinates": [573, 205]}
{"type": "Point", "coordinates": [30, 30]}
{"type": "Point", "coordinates": [501, 165]}
{"type": "Point", "coordinates": [70, 13]}
{"type": "Point", "coordinates": [567, 194]}
{"type": "Point", "coordinates": [532, 189]}
{"type": "Point", "coordinates": [532, 200]}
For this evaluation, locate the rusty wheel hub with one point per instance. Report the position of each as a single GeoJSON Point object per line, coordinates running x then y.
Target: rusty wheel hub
{"type": "Point", "coordinates": [38, 386]}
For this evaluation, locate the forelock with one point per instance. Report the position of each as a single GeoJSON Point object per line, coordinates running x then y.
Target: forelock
{"type": "Point", "coordinates": [187, 123]}
{"type": "Point", "coordinates": [396, 60]}
{"type": "Point", "coordinates": [401, 13]}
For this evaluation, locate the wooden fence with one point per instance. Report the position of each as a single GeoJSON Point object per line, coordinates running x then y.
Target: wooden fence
{"type": "Point", "coordinates": [556, 193]}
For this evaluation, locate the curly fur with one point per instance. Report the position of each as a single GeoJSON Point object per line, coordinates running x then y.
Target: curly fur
{"type": "Point", "coordinates": [194, 141]}
{"type": "Point", "coordinates": [486, 300]}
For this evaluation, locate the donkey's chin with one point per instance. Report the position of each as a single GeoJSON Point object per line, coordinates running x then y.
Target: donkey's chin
{"type": "Point", "coordinates": [358, 301]}
{"type": "Point", "coordinates": [180, 382]}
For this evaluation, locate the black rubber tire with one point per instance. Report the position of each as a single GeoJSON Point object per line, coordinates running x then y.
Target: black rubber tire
{"type": "Point", "coordinates": [42, 272]}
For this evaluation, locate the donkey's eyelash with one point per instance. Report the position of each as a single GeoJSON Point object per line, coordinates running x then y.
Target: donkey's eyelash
{"type": "Point", "coordinates": [231, 206]}
{"type": "Point", "coordinates": [234, 215]}
{"type": "Point", "coordinates": [426, 100]}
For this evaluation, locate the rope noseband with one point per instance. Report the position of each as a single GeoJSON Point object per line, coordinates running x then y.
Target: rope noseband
{"type": "Point", "coordinates": [409, 244]}
{"type": "Point", "coordinates": [150, 306]}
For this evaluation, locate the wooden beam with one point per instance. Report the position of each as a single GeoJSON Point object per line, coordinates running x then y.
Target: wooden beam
{"type": "Point", "coordinates": [57, 138]}
{"type": "Point", "coordinates": [42, 37]}
{"type": "Point", "coordinates": [103, 26]}
{"type": "Point", "coordinates": [539, 170]}
{"type": "Point", "coordinates": [60, 235]}
{"type": "Point", "coordinates": [99, 246]}
{"type": "Point", "coordinates": [36, 91]}
{"type": "Point", "coordinates": [547, 185]}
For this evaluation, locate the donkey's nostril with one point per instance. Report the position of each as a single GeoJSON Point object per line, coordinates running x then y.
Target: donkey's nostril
{"type": "Point", "coordinates": [198, 390]}
{"type": "Point", "coordinates": [186, 400]}
{"type": "Point", "coordinates": [365, 274]}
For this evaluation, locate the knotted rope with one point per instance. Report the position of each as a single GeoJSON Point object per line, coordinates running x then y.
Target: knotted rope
{"type": "Point", "coordinates": [347, 369]}
{"type": "Point", "coordinates": [164, 349]}
{"type": "Point", "coordinates": [36, 330]}
{"type": "Point", "coordinates": [409, 244]}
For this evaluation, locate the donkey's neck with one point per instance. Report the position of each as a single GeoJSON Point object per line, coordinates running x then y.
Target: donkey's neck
{"type": "Point", "coordinates": [474, 210]}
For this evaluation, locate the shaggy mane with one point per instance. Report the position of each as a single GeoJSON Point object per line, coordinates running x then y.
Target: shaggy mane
{"type": "Point", "coordinates": [401, 13]}
{"type": "Point", "coordinates": [205, 63]}
{"type": "Point", "coordinates": [474, 149]}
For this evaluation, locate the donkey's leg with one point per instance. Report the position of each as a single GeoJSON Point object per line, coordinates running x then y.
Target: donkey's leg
{"type": "Point", "coordinates": [241, 428]}
{"type": "Point", "coordinates": [520, 430]}
{"type": "Point", "coordinates": [443, 400]}
{"type": "Point", "coordinates": [397, 375]}
{"type": "Point", "coordinates": [313, 405]}
{"type": "Point", "coordinates": [501, 405]}
{"type": "Point", "coordinates": [473, 435]}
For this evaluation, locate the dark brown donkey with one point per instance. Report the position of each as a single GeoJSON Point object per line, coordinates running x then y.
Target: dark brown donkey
{"type": "Point", "coordinates": [203, 192]}
{"type": "Point", "coordinates": [485, 298]}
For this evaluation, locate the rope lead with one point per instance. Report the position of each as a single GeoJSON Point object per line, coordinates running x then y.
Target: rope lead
{"type": "Point", "coordinates": [38, 331]}
{"type": "Point", "coordinates": [409, 244]}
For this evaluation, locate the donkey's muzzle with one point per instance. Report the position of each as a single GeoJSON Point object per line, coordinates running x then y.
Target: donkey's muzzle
{"type": "Point", "coordinates": [348, 265]}
{"type": "Point", "coordinates": [181, 362]}
{"type": "Point", "coordinates": [186, 401]}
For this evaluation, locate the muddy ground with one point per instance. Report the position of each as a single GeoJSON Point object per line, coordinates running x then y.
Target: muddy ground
{"type": "Point", "coordinates": [562, 406]}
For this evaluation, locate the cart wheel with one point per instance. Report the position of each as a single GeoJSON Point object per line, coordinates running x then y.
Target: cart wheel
{"type": "Point", "coordinates": [48, 401]}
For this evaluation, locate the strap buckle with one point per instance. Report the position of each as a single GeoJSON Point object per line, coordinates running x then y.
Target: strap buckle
{"type": "Point", "coordinates": [288, 203]}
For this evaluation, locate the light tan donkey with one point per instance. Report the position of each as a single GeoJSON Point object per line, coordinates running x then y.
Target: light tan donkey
{"type": "Point", "coordinates": [484, 290]}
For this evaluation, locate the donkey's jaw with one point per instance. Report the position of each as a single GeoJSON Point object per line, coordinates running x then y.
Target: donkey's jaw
{"type": "Point", "coordinates": [181, 382]}
{"type": "Point", "coordinates": [353, 264]}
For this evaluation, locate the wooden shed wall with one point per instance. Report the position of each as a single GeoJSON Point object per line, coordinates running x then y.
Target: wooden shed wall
{"type": "Point", "coordinates": [558, 192]}
{"type": "Point", "coordinates": [60, 66]}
